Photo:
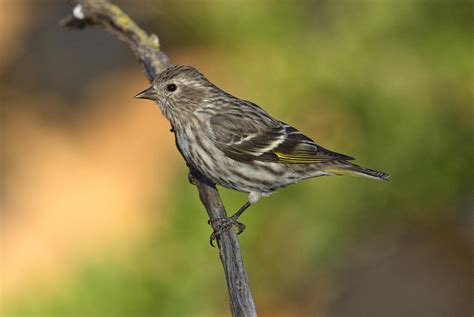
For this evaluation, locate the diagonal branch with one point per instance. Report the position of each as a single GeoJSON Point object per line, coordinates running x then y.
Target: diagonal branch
{"type": "Point", "coordinates": [147, 50]}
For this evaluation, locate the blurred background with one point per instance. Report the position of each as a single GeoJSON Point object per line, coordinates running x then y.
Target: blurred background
{"type": "Point", "coordinates": [98, 217]}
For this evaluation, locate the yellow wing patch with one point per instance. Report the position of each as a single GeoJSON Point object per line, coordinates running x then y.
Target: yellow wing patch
{"type": "Point", "coordinates": [298, 159]}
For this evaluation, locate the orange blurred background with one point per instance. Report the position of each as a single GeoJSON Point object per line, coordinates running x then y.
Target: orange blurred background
{"type": "Point", "coordinates": [92, 182]}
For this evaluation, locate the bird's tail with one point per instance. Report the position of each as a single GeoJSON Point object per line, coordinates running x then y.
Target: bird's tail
{"type": "Point", "coordinates": [356, 170]}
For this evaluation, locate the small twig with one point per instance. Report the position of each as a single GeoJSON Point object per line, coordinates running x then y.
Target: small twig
{"type": "Point", "coordinates": [147, 50]}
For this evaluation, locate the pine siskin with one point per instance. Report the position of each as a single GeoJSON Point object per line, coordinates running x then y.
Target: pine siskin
{"type": "Point", "coordinates": [236, 144]}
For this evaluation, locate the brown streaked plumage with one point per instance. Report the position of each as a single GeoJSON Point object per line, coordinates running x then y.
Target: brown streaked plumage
{"type": "Point", "coordinates": [238, 145]}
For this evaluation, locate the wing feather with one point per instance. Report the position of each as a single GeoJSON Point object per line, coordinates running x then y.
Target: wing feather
{"type": "Point", "coordinates": [247, 138]}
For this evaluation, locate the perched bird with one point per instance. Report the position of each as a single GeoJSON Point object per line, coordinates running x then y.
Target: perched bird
{"type": "Point", "coordinates": [236, 144]}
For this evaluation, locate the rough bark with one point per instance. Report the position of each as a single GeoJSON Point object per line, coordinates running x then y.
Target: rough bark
{"type": "Point", "coordinates": [147, 50]}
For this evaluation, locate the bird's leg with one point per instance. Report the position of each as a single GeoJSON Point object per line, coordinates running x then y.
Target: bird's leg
{"type": "Point", "coordinates": [221, 225]}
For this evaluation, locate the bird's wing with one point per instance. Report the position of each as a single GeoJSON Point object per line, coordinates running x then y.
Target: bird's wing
{"type": "Point", "coordinates": [245, 133]}
{"type": "Point", "coordinates": [251, 134]}
{"type": "Point", "coordinates": [298, 148]}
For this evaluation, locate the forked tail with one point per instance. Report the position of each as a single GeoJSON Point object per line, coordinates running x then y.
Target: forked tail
{"type": "Point", "coordinates": [356, 170]}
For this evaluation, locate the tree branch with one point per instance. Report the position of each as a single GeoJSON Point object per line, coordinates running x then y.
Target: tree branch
{"type": "Point", "coordinates": [147, 50]}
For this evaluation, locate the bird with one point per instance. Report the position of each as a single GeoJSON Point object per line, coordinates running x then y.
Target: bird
{"type": "Point", "coordinates": [238, 145]}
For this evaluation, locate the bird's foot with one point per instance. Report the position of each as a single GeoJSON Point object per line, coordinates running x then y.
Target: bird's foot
{"type": "Point", "coordinates": [221, 225]}
{"type": "Point", "coordinates": [191, 178]}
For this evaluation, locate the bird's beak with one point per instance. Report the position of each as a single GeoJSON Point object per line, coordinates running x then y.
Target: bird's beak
{"type": "Point", "coordinates": [148, 93]}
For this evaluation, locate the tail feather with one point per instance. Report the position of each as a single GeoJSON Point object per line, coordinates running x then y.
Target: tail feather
{"type": "Point", "coordinates": [356, 170]}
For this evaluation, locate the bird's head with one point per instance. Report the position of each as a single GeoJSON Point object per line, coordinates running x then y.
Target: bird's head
{"type": "Point", "coordinates": [179, 90]}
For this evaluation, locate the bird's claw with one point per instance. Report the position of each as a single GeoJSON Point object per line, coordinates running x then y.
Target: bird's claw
{"type": "Point", "coordinates": [221, 225]}
{"type": "Point", "coordinates": [191, 178]}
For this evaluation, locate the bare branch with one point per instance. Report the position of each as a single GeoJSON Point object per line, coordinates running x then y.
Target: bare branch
{"type": "Point", "coordinates": [147, 50]}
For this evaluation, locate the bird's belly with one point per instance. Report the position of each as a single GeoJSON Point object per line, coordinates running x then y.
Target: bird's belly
{"type": "Point", "coordinates": [256, 176]}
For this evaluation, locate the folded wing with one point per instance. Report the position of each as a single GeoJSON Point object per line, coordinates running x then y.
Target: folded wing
{"type": "Point", "coordinates": [246, 135]}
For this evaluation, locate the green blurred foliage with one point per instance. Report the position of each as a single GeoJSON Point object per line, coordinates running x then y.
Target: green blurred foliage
{"type": "Point", "coordinates": [389, 82]}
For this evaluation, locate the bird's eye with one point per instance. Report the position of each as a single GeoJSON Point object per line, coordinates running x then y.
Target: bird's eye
{"type": "Point", "coordinates": [171, 87]}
